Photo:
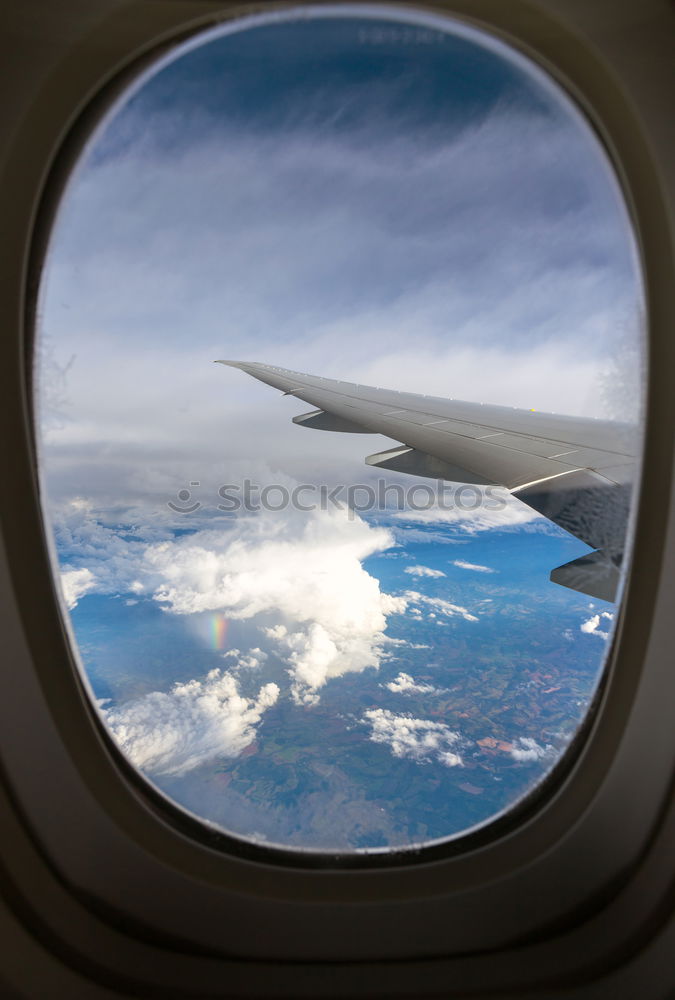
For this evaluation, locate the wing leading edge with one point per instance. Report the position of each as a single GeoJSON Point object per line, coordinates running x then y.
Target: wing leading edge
{"type": "Point", "coordinates": [575, 471]}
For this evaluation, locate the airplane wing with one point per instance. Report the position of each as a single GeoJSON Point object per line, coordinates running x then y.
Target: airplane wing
{"type": "Point", "coordinates": [576, 471]}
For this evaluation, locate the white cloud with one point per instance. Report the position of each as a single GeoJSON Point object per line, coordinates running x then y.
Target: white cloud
{"type": "Point", "coordinates": [511, 513]}
{"type": "Point", "coordinates": [476, 567]}
{"type": "Point", "coordinates": [405, 684]}
{"type": "Point", "coordinates": [173, 732]}
{"type": "Point", "coordinates": [528, 749]}
{"type": "Point", "coordinates": [414, 597]}
{"type": "Point", "coordinates": [423, 571]}
{"type": "Point", "coordinates": [421, 740]}
{"type": "Point", "coordinates": [300, 574]}
{"type": "Point", "coordinates": [251, 660]}
{"type": "Point", "coordinates": [391, 641]}
{"type": "Point", "coordinates": [592, 625]}
{"type": "Point", "coordinates": [304, 570]}
{"type": "Point", "coordinates": [75, 583]}
{"type": "Point", "coordinates": [275, 631]}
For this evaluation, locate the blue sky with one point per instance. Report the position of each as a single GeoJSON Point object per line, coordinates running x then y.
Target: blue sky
{"type": "Point", "coordinates": [332, 196]}
{"type": "Point", "coordinates": [325, 75]}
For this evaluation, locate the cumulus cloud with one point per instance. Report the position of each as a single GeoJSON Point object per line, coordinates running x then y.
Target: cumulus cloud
{"type": "Point", "coordinates": [251, 660]}
{"type": "Point", "coordinates": [592, 625]}
{"type": "Point", "coordinates": [170, 733]}
{"type": "Point", "coordinates": [405, 684]}
{"type": "Point", "coordinates": [527, 749]}
{"type": "Point", "coordinates": [421, 740]}
{"type": "Point", "coordinates": [305, 571]}
{"type": "Point", "coordinates": [298, 576]}
{"type": "Point", "coordinates": [476, 567]}
{"type": "Point", "coordinates": [423, 571]}
{"type": "Point", "coordinates": [438, 604]}
{"type": "Point", "coordinates": [75, 583]}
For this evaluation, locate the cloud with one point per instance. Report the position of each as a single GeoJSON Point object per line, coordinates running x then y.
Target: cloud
{"type": "Point", "coordinates": [511, 513]}
{"type": "Point", "coordinates": [415, 598]}
{"type": "Point", "coordinates": [476, 567]}
{"type": "Point", "coordinates": [423, 571]}
{"type": "Point", "coordinates": [405, 684]}
{"type": "Point", "coordinates": [304, 570]}
{"type": "Point", "coordinates": [251, 660]}
{"type": "Point", "coordinates": [195, 722]}
{"type": "Point", "coordinates": [393, 641]}
{"type": "Point", "coordinates": [421, 740]}
{"type": "Point", "coordinates": [592, 625]}
{"type": "Point", "coordinates": [529, 750]}
{"type": "Point", "coordinates": [75, 583]}
{"type": "Point", "coordinates": [298, 576]}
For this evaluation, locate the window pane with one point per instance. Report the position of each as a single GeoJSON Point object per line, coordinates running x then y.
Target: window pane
{"type": "Point", "coordinates": [296, 645]}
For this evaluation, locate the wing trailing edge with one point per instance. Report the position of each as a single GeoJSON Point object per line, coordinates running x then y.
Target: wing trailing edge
{"type": "Point", "coordinates": [575, 471]}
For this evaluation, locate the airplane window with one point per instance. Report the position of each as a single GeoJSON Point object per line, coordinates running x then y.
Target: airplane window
{"type": "Point", "coordinates": [351, 588]}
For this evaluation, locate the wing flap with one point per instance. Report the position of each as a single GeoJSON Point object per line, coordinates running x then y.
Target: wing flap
{"type": "Point", "coordinates": [419, 463]}
{"type": "Point", "coordinates": [319, 420]}
{"type": "Point", "coordinates": [593, 574]}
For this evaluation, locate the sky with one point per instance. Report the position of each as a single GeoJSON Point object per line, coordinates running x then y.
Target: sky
{"type": "Point", "coordinates": [356, 199]}
{"type": "Point", "coordinates": [421, 217]}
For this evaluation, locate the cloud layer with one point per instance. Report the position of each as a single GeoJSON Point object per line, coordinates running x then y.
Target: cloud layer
{"type": "Point", "coordinates": [488, 262]}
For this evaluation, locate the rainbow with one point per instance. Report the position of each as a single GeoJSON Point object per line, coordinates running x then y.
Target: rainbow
{"type": "Point", "coordinates": [218, 631]}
